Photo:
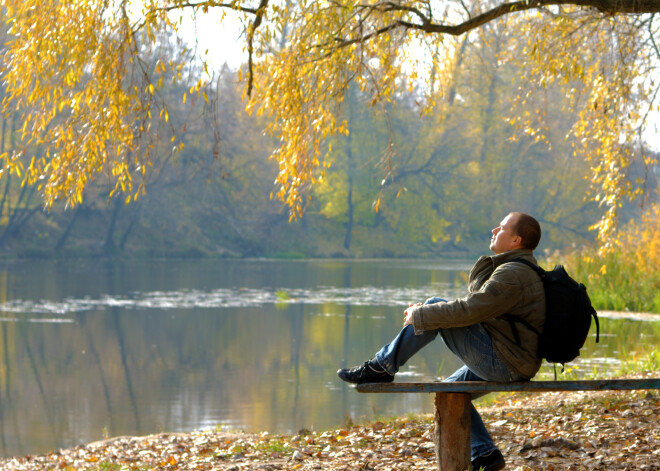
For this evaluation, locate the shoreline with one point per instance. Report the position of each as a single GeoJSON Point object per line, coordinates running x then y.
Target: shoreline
{"type": "Point", "coordinates": [544, 431]}
{"type": "Point", "coordinates": [636, 316]}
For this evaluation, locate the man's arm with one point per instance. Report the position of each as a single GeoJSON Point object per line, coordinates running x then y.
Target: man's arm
{"type": "Point", "coordinates": [496, 297]}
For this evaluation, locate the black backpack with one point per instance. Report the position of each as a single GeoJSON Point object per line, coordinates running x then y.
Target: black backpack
{"type": "Point", "coordinates": [568, 314]}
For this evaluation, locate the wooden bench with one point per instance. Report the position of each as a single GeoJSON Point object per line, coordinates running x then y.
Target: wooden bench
{"type": "Point", "coordinates": [452, 407]}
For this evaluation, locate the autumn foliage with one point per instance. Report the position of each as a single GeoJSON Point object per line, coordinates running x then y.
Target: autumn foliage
{"type": "Point", "coordinates": [77, 73]}
{"type": "Point", "coordinates": [89, 103]}
{"type": "Point", "coordinates": [626, 276]}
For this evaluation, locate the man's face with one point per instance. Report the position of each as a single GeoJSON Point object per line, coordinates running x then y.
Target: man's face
{"type": "Point", "coordinates": [504, 238]}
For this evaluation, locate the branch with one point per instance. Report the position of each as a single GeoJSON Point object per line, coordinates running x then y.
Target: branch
{"type": "Point", "coordinates": [605, 6]}
{"type": "Point", "coordinates": [139, 24]}
{"type": "Point", "coordinates": [207, 4]}
{"type": "Point", "coordinates": [427, 25]}
{"type": "Point", "coordinates": [259, 15]}
{"type": "Point", "coordinates": [655, 46]}
{"type": "Point", "coordinates": [423, 21]}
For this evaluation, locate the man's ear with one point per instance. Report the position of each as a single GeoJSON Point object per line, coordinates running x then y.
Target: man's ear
{"type": "Point", "coordinates": [517, 240]}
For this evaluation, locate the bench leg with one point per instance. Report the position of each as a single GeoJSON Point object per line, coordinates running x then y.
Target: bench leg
{"type": "Point", "coordinates": [452, 431]}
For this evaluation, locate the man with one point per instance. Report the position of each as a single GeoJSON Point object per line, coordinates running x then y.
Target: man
{"type": "Point", "coordinates": [473, 327]}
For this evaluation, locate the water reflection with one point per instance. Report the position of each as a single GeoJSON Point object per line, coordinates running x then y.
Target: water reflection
{"type": "Point", "coordinates": [95, 349]}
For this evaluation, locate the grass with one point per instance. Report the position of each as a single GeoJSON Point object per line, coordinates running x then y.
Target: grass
{"type": "Point", "coordinates": [626, 275]}
{"type": "Point", "coordinates": [274, 445]}
{"type": "Point", "coordinates": [647, 362]}
{"type": "Point", "coordinates": [614, 282]}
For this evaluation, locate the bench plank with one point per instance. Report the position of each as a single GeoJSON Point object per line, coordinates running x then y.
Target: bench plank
{"type": "Point", "coordinates": [492, 386]}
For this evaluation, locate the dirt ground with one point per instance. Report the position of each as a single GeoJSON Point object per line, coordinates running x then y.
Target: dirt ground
{"type": "Point", "coordinates": [549, 431]}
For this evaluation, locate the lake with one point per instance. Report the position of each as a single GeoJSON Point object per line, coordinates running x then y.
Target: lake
{"type": "Point", "coordinates": [94, 349]}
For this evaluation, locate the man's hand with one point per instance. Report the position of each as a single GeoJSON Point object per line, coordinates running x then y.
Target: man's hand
{"type": "Point", "coordinates": [408, 314]}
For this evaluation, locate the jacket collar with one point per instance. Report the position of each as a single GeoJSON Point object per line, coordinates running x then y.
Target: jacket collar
{"type": "Point", "coordinates": [505, 257]}
{"type": "Point", "coordinates": [488, 263]}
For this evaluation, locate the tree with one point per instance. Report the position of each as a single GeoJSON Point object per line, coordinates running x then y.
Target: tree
{"type": "Point", "coordinates": [91, 104]}
{"type": "Point", "coordinates": [375, 44]}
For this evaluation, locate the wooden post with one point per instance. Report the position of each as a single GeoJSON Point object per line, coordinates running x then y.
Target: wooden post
{"type": "Point", "coordinates": [452, 431]}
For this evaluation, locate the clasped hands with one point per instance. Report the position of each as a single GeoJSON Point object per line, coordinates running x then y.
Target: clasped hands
{"type": "Point", "coordinates": [408, 314]}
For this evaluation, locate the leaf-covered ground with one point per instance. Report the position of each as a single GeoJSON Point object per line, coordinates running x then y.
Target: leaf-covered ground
{"type": "Point", "coordinates": [550, 431]}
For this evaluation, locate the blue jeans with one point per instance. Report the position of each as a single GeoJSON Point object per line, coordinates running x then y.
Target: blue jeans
{"type": "Point", "coordinates": [474, 347]}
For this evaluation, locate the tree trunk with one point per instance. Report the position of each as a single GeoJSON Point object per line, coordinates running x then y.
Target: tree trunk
{"type": "Point", "coordinates": [349, 197]}
{"type": "Point", "coordinates": [129, 229]}
{"type": "Point", "coordinates": [67, 231]}
{"type": "Point", "coordinates": [109, 244]}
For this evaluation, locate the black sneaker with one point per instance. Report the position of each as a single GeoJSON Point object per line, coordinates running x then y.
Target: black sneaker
{"type": "Point", "coordinates": [493, 461]}
{"type": "Point", "coordinates": [365, 373]}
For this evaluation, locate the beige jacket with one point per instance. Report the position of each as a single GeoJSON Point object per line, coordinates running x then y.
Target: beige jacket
{"type": "Point", "coordinates": [495, 288]}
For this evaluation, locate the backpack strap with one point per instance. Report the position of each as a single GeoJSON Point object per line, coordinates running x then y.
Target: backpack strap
{"type": "Point", "coordinates": [594, 315]}
{"type": "Point", "coordinates": [542, 274]}
{"type": "Point", "coordinates": [531, 265]}
{"type": "Point", "coordinates": [517, 319]}
{"type": "Point", "coordinates": [513, 319]}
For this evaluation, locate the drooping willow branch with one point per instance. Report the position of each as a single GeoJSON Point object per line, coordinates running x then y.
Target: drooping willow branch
{"type": "Point", "coordinates": [427, 25]}
{"type": "Point", "coordinates": [423, 22]}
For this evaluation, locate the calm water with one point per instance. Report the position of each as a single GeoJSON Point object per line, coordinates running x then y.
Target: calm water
{"type": "Point", "coordinates": [94, 349]}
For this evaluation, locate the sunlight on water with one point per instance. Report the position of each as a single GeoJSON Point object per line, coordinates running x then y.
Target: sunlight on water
{"type": "Point", "coordinates": [230, 298]}
{"type": "Point", "coordinates": [246, 297]}
{"type": "Point", "coordinates": [38, 320]}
